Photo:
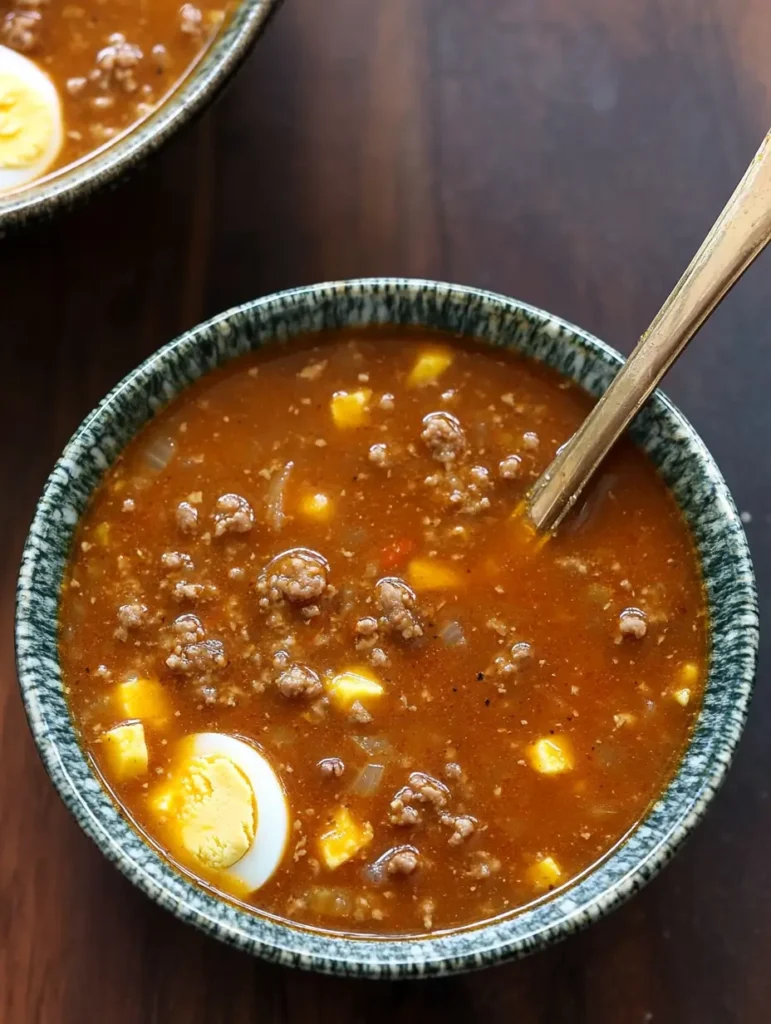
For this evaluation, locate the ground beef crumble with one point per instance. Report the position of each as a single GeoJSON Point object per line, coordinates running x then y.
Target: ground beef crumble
{"type": "Point", "coordinates": [397, 608]}
{"type": "Point", "coordinates": [233, 515]}
{"type": "Point", "coordinates": [187, 517]}
{"type": "Point", "coordinates": [298, 576]}
{"type": "Point", "coordinates": [403, 861]}
{"type": "Point", "coordinates": [444, 437]}
{"type": "Point", "coordinates": [299, 681]}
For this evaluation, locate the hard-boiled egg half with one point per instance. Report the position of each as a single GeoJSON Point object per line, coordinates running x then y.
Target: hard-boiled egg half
{"type": "Point", "coordinates": [223, 812]}
{"type": "Point", "coordinates": [31, 123]}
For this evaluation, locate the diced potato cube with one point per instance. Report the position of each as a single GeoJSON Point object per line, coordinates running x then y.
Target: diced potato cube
{"type": "Point", "coordinates": [544, 873]}
{"type": "Point", "coordinates": [143, 698]}
{"type": "Point", "coordinates": [350, 408]}
{"type": "Point", "coordinates": [102, 534]}
{"type": "Point", "coordinates": [125, 750]}
{"type": "Point", "coordinates": [316, 506]}
{"type": "Point", "coordinates": [344, 839]}
{"type": "Point", "coordinates": [551, 755]}
{"type": "Point", "coordinates": [354, 684]}
{"type": "Point", "coordinates": [429, 366]}
{"type": "Point", "coordinates": [682, 696]}
{"type": "Point", "coordinates": [430, 574]}
{"type": "Point", "coordinates": [689, 673]}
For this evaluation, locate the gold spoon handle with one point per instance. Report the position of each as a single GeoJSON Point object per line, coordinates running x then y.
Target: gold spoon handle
{"type": "Point", "coordinates": [737, 236]}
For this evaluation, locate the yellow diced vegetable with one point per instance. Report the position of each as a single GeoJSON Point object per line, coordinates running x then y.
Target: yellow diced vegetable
{"type": "Point", "coordinates": [344, 839]}
{"type": "Point", "coordinates": [430, 574]}
{"type": "Point", "coordinates": [102, 534]}
{"type": "Point", "coordinates": [544, 873]}
{"type": "Point", "coordinates": [429, 366]}
{"type": "Point", "coordinates": [125, 751]}
{"type": "Point", "coordinates": [351, 685]}
{"type": "Point", "coordinates": [143, 698]}
{"type": "Point", "coordinates": [551, 755]}
{"type": "Point", "coordinates": [350, 408]}
{"type": "Point", "coordinates": [682, 696]}
{"type": "Point", "coordinates": [689, 673]}
{"type": "Point", "coordinates": [316, 506]}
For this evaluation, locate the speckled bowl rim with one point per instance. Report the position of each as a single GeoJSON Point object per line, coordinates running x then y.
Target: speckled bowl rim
{"type": "Point", "coordinates": [672, 443]}
{"type": "Point", "coordinates": [210, 74]}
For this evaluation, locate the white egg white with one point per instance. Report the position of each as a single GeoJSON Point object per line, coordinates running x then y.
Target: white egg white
{"type": "Point", "coordinates": [270, 839]}
{"type": "Point", "coordinates": [37, 81]}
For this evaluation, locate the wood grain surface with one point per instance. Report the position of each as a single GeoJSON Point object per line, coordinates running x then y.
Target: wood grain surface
{"type": "Point", "coordinates": [569, 152]}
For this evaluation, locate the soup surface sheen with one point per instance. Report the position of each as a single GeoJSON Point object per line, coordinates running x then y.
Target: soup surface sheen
{"type": "Point", "coordinates": [313, 550]}
{"type": "Point", "coordinates": [111, 61]}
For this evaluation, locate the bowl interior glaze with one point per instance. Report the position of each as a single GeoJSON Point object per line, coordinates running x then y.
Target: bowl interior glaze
{"type": "Point", "coordinates": [660, 429]}
{"type": "Point", "coordinates": [66, 187]}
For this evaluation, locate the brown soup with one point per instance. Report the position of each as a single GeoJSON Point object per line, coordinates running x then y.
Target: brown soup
{"type": "Point", "coordinates": [112, 62]}
{"type": "Point", "coordinates": [317, 658]}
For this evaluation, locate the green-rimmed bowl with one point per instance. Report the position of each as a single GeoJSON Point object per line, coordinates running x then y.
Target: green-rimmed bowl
{"type": "Point", "coordinates": [662, 431]}
{"type": "Point", "coordinates": [65, 187]}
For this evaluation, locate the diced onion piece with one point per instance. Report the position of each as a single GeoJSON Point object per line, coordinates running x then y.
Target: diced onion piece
{"type": "Point", "coordinates": [551, 755]}
{"type": "Point", "coordinates": [344, 839]}
{"type": "Point", "coordinates": [330, 902]}
{"type": "Point", "coordinates": [350, 409]}
{"type": "Point", "coordinates": [374, 746]}
{"type": "Point", "coordinates": [452, 634]}
{"type": "Point", "coordinates": [158, 453]}
{"type": "Point", "coordinates": [367, 782]}
{"type": "Point", "coordinates": [274, 499]}
{"type": "Point", "coordinates": [429, 366]}
{"type": "Point", "coordinates": [431, 574]}
{"type": "Point", "coordinates": [125, 751]}
{"type": "Point", "coordinates": [544, 873]}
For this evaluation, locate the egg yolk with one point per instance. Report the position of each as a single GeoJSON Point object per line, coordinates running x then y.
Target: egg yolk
{"type": "Point", "coordinates": [210, 810]}
{"type": "Point", "coordinates": [26, 124]}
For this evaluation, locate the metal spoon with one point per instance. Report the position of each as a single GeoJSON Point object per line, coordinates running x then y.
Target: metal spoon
{"type": "Point", "coordinates": [741, 231]}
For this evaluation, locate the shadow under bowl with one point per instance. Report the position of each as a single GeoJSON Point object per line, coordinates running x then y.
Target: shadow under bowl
{"type": "Point", "coordinates": [71, 184]}
{"type": "Point", "coordinates": [662, 431]}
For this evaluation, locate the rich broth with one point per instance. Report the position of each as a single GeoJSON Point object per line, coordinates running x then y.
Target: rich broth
{"type": "Point", "coordinates": [533, 698]}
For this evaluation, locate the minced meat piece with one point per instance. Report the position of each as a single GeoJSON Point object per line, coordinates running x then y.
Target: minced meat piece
{"type": "Point", "coordinates": [187, 517]}
{"type": "Point", "coordinates": [463, 826]}
{"type": "Point", "coordinates": [331, 767]}
{"type": "Point", "coordinates": [378, 455]}
{"type": "Point", "coordinates": [359, 714]}
{"type": "Point", "coordinates": [176, 560]}
{"type": "Point", "coordinates": [403, 813]}
{"type": "Point", "coordinates": [298, 576]}
{"type": "Point", "coordinates": [192, 654]}
{"type": "Point", "coordinates": [403, 861]}
{"type": "Point", "coordinates": [631, 623]}
{"type": "Point", "coordinates": [299, 681]}
{"type": "Point", "coordinates": [190, 20]}
{"type": "Point", "coordinates": [397, 604]}
{"type": "Point", "coordinates": [184, 591]}
{"type": "Point", "coordinates": [428, 789]}
{"type": "Point", "coordinates": [444, 437]}
{"type": "Point", "coordinates": [509, 467]}
{"type": "Point", "coordinates": [366, 633]}
{"type": "Point", "coordinates": [130, 616]}
{"type": "Point", "coordinates": [19, 30]}
{"type": "Point", "coordinates": [483, 865]}
{"type": "Point", "coordinates": [234, 515]}
{"type": "Point", "coordinates": [116, 63]}
{"type": "Point", "coordinates": [198, 659]}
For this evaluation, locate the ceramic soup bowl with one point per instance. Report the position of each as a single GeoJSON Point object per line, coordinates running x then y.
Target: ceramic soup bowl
{"type": "Point", "coordinates": [670, 441]}
{"type": "Point", "coordinates": [65, 187]}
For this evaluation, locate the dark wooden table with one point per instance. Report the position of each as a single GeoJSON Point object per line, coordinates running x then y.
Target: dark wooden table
{"type": "Point", "coordinates": [569, 152]}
